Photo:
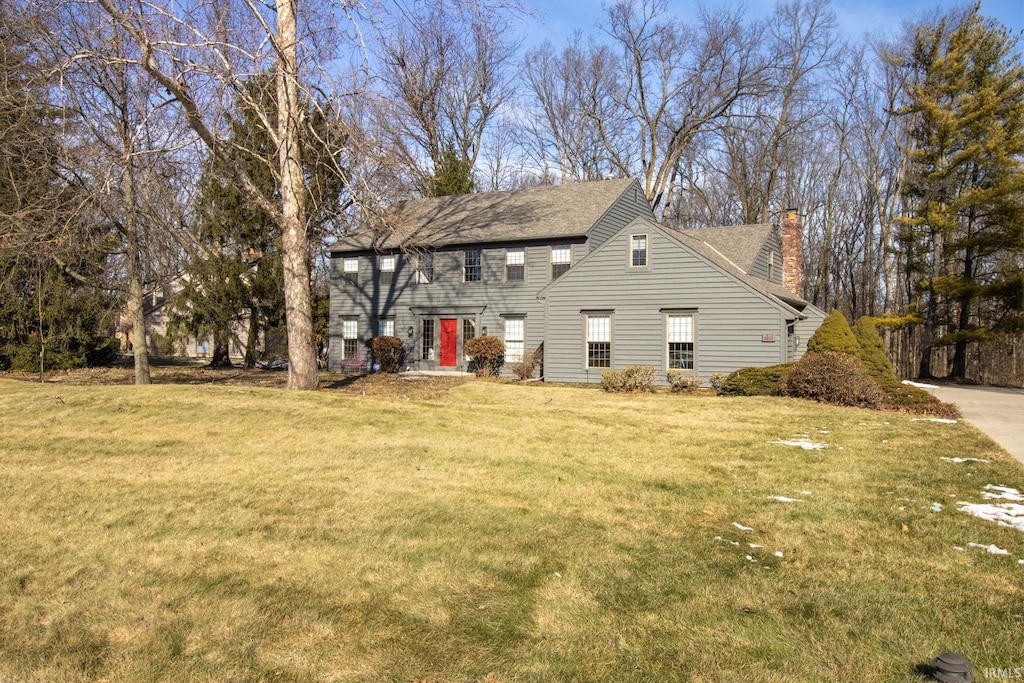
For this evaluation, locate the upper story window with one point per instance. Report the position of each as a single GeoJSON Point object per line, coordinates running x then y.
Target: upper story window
{"type": "Point", "coordinates": [425, 268]}
{"type": "Point", "coordinates": [350, 269]}
{"type": "Point", "coordinates": [638, 251]}
{"type": "Point", "coordinates": [387, 269]}
{"type": "Point", "coordinates": [515, 265]}
{"type": "Point", "coordinates": [472, 268]}
{"type": "Point", "coordinates": [561, 259]}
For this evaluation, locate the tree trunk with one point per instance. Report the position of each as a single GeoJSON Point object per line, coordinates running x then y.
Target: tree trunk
{"type": "Point", "coordinates": [221, 350]}
{"type": "Point", "coordinates": [924, 370]}
{"type": "Point", "coordinates": [251, 338]}
{"type": "Point", "coordinates": [135, 292]}
{"type": "Point", "coordinates": [302, 369]}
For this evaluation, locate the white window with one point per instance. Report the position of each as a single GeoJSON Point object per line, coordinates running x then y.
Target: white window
{"type": "Point", "coordinates": [349, 337]}
{"type": "Point", "coordinates": [599, 341]}
{"type": "Point", "coordinates": [387, 269]}
{"type": "Point", "coordinates": [425, 268]}
{"type": "Point", "coordinates": [561, 259]}
{"type": "Point", "coordinates": [386, 327]}
{"type": "Point", "coordinates": [638, 251]}
{"type": "Point", "coordinates": [472, 268]}
{"type": "Point", "coordinates": [468, 332]}
{"type": "Point", "coordinates": [427, 341]}
{"type": "Point", "coordinates": [679, 329]}
{"type": "Point", "coordinates": [515, 265]}
{"type": "Point", "coordinates": [350, 269]}
{"type": "Point", "coordinates": [515, 339]}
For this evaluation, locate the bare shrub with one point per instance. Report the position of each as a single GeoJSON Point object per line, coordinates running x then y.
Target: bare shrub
{"type": "Point", "coordinates": [832, 377]}
{"type": "Point", "coordinates": [681, 381]}
{"type": "Point", "coordinates": [388, 352]}
{"type": "Point", "coordinates": [630, 380]}
{"type": "Point", "coordinates": [487, 353]}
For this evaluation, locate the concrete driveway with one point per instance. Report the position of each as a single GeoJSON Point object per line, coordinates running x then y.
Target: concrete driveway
{"type": "Point", "coordinates": [996, 411]}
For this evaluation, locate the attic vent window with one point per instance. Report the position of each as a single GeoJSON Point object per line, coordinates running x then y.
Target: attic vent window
{"type": "Point", "coordinates": [561, 259]}
{"type": "Point", "coordinates": [638, 251]}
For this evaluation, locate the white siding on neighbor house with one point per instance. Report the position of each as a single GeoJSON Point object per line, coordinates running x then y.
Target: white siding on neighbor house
{"type": "Point", "coordinates": [730, 319]}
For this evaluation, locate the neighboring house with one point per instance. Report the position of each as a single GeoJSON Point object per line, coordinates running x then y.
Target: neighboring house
{"type": "Point", "coordinates": [582, 271]}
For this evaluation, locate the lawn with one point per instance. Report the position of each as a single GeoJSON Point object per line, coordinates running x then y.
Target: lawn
{"type": "Point", "coordinates": [489, 532]}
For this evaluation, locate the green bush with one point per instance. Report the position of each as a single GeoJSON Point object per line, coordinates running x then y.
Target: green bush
{"type": "Point", "coordinates": [631, 379]}
{"type": "Point", "coordinates": [834, 334]}
{"type": "Point", "coordinates": [917, 401]}
{"type": "Point", "coordinates": [388, 352]}
{"type": "Point", "coordinates": [681, 381]}
{"type": "Point", "coordinates": [871, 351]}
{"type": "Point", "coordinates": [836, 378]}
{"type": "Point", "coordinates": [65, 353]}
{"type": "Point", "coordinates": [487, 353]}
{"type": "Point", "coordinates": [755, 381]}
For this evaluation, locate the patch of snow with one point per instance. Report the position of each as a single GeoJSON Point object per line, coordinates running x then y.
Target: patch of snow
{"type": "Point", "coordinates": [960, 460]}
{"type": "Point", "coordinates": [885, 440]}
{"type": "Point", "coordinates": [919, 385]}
{"type": "Point", "coordinates": [784, 499]}
{"type": "Point", "coordinates": [750, 559]}
{"type": "Point", "coordinates": [1003, 514]}
{"type": "Point", "coordinates": [755, 545]}
{"type": "Point", "coordinates": [824, 431]}
{"type": "Point", "coordinates": [778, 553]}
{"type": "Point", "coordinates": [1020, 561]}
{"type": "Point", "coordinates": [903, 507]}
{"type": "Point", "coordinates": [735, 543]}
{"type": "Point", "coordinates": [958, 548]}
{"type": "Point", "coordinates": [741, 527]}
{"type": "Point", "coordinates": [993, 549]}
{"type": "Point", "coordinates": [805, 493]}
{"type": "Point", "coordinates": [940, 420]}
{"type": "Point", "coordinates": [1002, 493]}
{"type": "Point", "coordinates": [936, 507]}
{"type": "Point", "coordinates": [803, 443]}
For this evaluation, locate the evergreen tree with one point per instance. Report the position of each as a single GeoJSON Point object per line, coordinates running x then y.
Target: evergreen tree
{"type": "Point", "coordinates": [454, 175]}
{"type": "Point", "coordinates": [965, 89]}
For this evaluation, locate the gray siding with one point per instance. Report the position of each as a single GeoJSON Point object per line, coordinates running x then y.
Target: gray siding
{"type": "Point", "coordinates": [730, 318]}
{"type": "Point", "coordinates": [803, 329]}
{"type": "Point", "coordinates": [773, 245]}
{"type": "Point", "coordinates": [408, 302]}
{"type": "Point", "coordinates": [631, 204]}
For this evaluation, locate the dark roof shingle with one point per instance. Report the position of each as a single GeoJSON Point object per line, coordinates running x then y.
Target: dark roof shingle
{"type": "Point", "coordinates": [550, 211]}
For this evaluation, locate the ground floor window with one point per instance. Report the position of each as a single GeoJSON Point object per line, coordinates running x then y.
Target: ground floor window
{"type": "Point", "coordinates": [349, 337]}
{"type": "Point", "coordinates": [679, 329]}
{"type": "Point", "coordinates": [427, 342]}
{"type": "Point", "coordinates": [386, 327]}
{"type": "Point", "coordinates": [468, 332]}
{"type": "Point", "coordinates": [515, 339]}
{"type": "Point", "coordinates": [599, 341]}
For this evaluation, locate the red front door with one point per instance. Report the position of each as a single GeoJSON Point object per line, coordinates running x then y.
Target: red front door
{"type": "Point", "coordinates": [449, 341]}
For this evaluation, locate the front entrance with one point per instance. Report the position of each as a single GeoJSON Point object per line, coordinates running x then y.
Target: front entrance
{"type": "Point", "coordinates": [449, 342]}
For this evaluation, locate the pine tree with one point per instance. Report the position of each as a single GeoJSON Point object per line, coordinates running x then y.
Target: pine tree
{"type": "Point", "coordinates": [454, 175]}
{"type": "Point", "coordinates": [965, 90]}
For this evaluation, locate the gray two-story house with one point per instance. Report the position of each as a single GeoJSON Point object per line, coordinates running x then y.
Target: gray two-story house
{"type": "Point", "coordinates": [582, 271]}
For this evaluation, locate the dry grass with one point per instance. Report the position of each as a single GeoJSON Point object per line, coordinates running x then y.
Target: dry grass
{"type": "Point", "coordinates": [487, 532]}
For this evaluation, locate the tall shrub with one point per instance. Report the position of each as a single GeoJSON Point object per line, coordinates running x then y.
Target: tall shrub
{"type": "Point", "coordinates": [487, 353]}
{"type": "Point", "coordinates": [834, 334]}
{"type": "Point", "coordinates": [871, 351]}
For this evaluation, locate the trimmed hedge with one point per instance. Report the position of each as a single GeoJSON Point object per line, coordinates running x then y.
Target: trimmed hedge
{"type": "Point", "coordinates": [836, 378]}
{"type": "Point", "coordinates": [631, 379]}
{"type": "Point", "coordinates": [755, 381]}
{"type": "Point", "coordinates": [388, 352]}
{"type": "Point", "coordinates": [487, 353]}
{"type": "Point", "coordinates": [834, 334]}
{"type": "Point", "coordinates": [871, 351]}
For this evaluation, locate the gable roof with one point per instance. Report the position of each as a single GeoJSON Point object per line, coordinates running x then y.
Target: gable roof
{"type": "Point", "coordinates": [549, 211]}
{"type": "Point", "coordinates": [776, 294]}
{"type": "Point", "coordinates": [739, 243]}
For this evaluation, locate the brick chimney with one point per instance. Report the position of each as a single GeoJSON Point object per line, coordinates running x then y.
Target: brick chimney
{"type": "Point", "coordinates": [792, 252]}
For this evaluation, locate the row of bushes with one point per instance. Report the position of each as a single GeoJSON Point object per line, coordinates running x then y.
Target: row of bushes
{"type": "Point", "coordinates": [843, 366]}
{"type": "Point", "coordinates": [486, 353]}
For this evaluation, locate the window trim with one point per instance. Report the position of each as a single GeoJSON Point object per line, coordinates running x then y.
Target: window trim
{"type": "Point", "coordinates": [344, 340]}
{"type": "Point", "coordinates": [420, 258]}
{"type": "Point", "coordinates": [504, 335]}
{"type": "Point", "coordinates": [679, 312]}
{"type": "Point", "coordinates": [647, 251]}
{"type": "Point", "coordinates": [552, 263]}
{"type": "Point", "coordinates": [586, 315]}
{"type": "Point", "coordinates": [479, 265]}
{"type": "Point", "coordinates": [508, 252]}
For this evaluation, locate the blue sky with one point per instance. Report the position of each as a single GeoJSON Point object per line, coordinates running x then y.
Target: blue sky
{"type": "Point", "coordinates": [556, 19]}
